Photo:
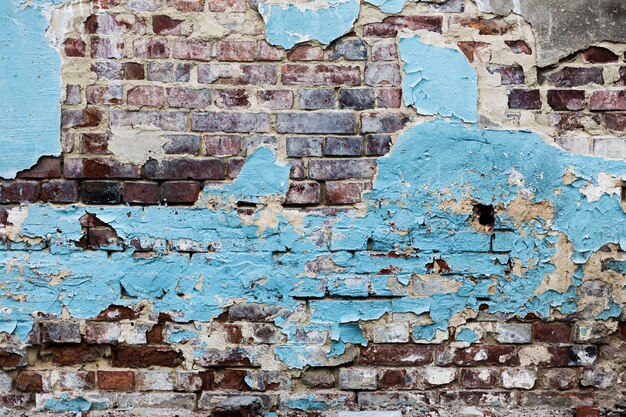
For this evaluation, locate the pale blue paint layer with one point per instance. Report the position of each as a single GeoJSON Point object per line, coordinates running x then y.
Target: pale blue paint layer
{"type": "Point", "coordinates": [388, 6]}
{"type": "Point", "coordinates": [30, 87]}
{"type": "Point", "coordinates": [323, 20]}
{"type": "Point", "coordinates": [438, 81]}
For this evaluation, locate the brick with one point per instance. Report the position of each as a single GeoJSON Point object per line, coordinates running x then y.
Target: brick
{"type": "Point", "coordinates": [147, 5]}
{"type": "Point", "coordinates": [233, 379]}
{"type": "Point", "coordinates": [519, 47]}
{"type": "Point", "coordinates": [318, 378]}
{"type": "Point", "coordinates": [306, 53]}
{"type": "Point", "coordinates": [80, 118]}
{"type": "Point", "coordinates": [250, 143]}
{"type": "Point", "coordinates": [107, 24]}
{"type": "Point", "coordinates": [610, 147]}
{"type": "Point", "coordinates": [188, 381]}
{"type": "Point", "coordinates": [390, 333]}
{"type": "Point", "coordinates": [210, 73]}
{"type": "Point", "coordinates": [338, 193]}
{"type": "Point", "coordinates": [297, 169]}
{"type": "Point", "coordinates": [181, 192]}
{"type": "Point", "coordinates": [180, 169]}
{"type": "Point", "coordinates": [555, 332]}
{"type": "Point", "coordinates": [119, 70]}
{"type": "Point", "coordinates": [383, 122]}
{"type": "Point", "coordinates": [181, 144]}
{"type": "Point", "coordinates": [341, 169]}
{"type": "Point", "coordinates": [316, 98]}
{"type": "Point", "coordinates": [524, 99]}
{"type": "Point", "coordinates": [599, 55]}
{"type": "Point", "coordinates": [257, 75]}
{"type": "Point", "coordinates": [615, 121]}
{"type": "Point", "coordinates": [358, 379]}
{"type": "Point", "coordinates": [101, 192]}
{"type": "Point", "coordinates": [598, 378]}
{"type": "Point", "coordinates": [302, 193]}
{"type": "Point", "coordinates": [478, 378]}
{"type": "Point", "coordinates": [144, 356]}
{"type": "Point", "coordinates": [114, 312]}
{"type": "Point", "coordinates": [235, 6]}
{"type": "Point", "coordinates": [61, 332]}
{"type": "Point", "coordinates": [59, 191]}
{"type": "Point", "coordinates": [29, 381]}
{"type": "Point", "coordinates": [387, 400]}
{"type": "Point", "coordinates": [390, 26]}
{"type": "Point", "coordinates": [275, 99]}
{"type": "Point", "coordinates": [116, 380]}
{"type": "Point", "coordinates": [475, 51]}
{"type": "Point", "coordinates": [222, 145]}
{"type": "Point", "coordinates": [388, 98]}
{"type": "Point", "coordinates": [316, 122]}
{"type": "Point", "coordinates": [477, 398]}
{"type": "Point", "coordinates": [247, 356]}
{"type": "Point", "coordinates": [321, 74]}
{"type": "Point", "coordinates": [566, 99]}
{"type": "Point", "coordinates": [163, 120]}
{"type": "Point", "coordinates": [165, 25]}
{"type": "Point", "coordinates": [74, 47]}
{"type": "Point", "coordinates": [141, 192]}
{"type": "Point", "coordinates": [513, 333]}
{"type": "Point", "coordinates": [561, 379]}
{"type": "Point", "coordinates": [348, 49]}
{"type": "Point", "coordinates": [236, 51]}
{"type": "Point", "coordinates": [99, 167]}
{"type": "Point", "coordinates": [357, 99]}
{"type": "Point", "coordinates": [383, 74]}
{"type": "Point", "coordinates": [439, 376]}
{"type": "Point", "coordinates": [230, 122]}
{"type": "Point", "coordinates": [377, 145]}
{"type": "Point", "coordinates": [554, 400]}
{"type": "Point", "coordinates": [343, 146]}
{"type": "Point", "coordinates": [193, 50]}
{"type": "Point", "coordinates": [73, 95]}
{"type": "Point", "coordinates": [485, 26]}
{"type": "Point", "coordinates": [146, 95]}
{"type": "Point", "coordinates": [157, 400]}
{"type": "Point", "coordinates": [169, 72]}
{"type": "Point", "coordinates": [608, 100]}
{"type": "Point", "coordinates": [187, 5]}
{"type": "Point", "coordinates": [395, 355]}
{"type": "Point", "coordinates": [303, 146]}
{"type": "Point", "coordinates": [395, 379]}
{"type": "Point", "coordinates": [107, 48]}
{"type": "Point", "coordinates": [154, 381]}
{"type": "Point", "coordinates": [183, 97]}
{"type": "Point", "coordinates": [70, 355]}
{"type": "Point", "coordinates": [46, 167]}
{"type": "Point", "coordinates": [18, 191]}
{"type": "Point", "coordinates": [509, 74]}
{"type": "Point", "coordinates": [519, 378]}
{"type": "Point", "coordinates": [267, 52]}
{"type": "Point", "coordinates": [13, 357]}
{"type": "Point", "coordinates": [232, 98]}
{"type": "Point", "coordinates": [385, 50]}
{"type": "Point", "coordinates": [104, 94]}
{"type": "Point", "coordinates": [491, 355]}
{"type": "Point", "coordinates": [587, 411]}
{"type": "Point", "coordinates": [151, 48]}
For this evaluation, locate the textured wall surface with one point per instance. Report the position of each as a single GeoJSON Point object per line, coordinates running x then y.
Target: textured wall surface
{"type": "Point", "coordinates": [333, 207]}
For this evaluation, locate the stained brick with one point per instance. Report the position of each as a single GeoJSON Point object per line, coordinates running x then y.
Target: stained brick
{"type": "Point", "coordinates": [80, 118]}
{"type": "Point", "coordinates": [493, 355]}
{"type": "Point", "coordinates": [383, 122]}
{"type": "Point", "coordinates": [146, 95]}
{"type": "Point", "coordinates": [164, 120]}
{"type": "Point", "coordinates": [303, 193]}
{"type": "Point", "coordinates": [187, 5]}
{"type": "Point", "coordinates": [566, 99]}
{"type": "Point", "coordinates": [222, 145]}
{"type": "Point", "coordinates": [101, 192]}
{"type": "Point", "coordinates": [396, 355]}
{"type": "Point", "coordinates": [377, 145]}
{"type": "Point", "coordinates": [478, 378]}
{"type": "Point", "coordinates": [382, 74]}
{"type": "Point", "coordinates": [389, 98]}
{"type": "Point", "coordinates": [104, 94]}
{"type": "Point", "coordinates": [29, 381]}
{"type": "Point", "coordinates": [615, 121]}
{"type": "Point", "coordinates": [230, 122]}
{"type": "Point", "coordinates": [212, 169]}
{"type": "Point", "coordinates": [74, 47]}
{"type": "Point", "coordinates": [316, 98]}
{"type": "Point", "coordinates": [183, 97]}
{"type": "Point", "coordinates": [608, 100]}
{"type": "Point", "coordinates": [385, 50]}
{"type": "Point", "coordinates": [275, 99]}
{"type": "Point", "coordinates": [18, 191]}
{"type": "Point", "coordinates": [59, 191]}
{"type": "Point", "coordinates": [144, 356]}
{"type": "Point", "coordinates": [303, 146]}
{"type": "Point", "coordinates": [237, 6]}
{"type": "Point", "coordinates": [524, 99]}
{"type": "Point", "coordinates": [165, 25]}
{"type": "Point", "coordinates": [193, 50]}
{"type": "Point", "coordinates": [116, 380]}
{"type": "Point", "coordinates": [107, 48]}
{"type": "Point", "coordinates": [390, 26]}
{"type": "Point", "coordinates": [348, 49]}
{"type": "Point", "coordinates": [599, 55]}
{"type": "Point", "coordinates": [70, 354]}
{"type": "Point", "coordinates": [119, 70]}
{"type": "Point", "coordinates": [357, 98]}
{"type": "Point", "coordinates": [341, 169]}
{"type": "Point", "coordinates": [316, 122]}
{"type": "Point", "coordinates": [169, 72]}
{"type": "Point", "coordinates": [85, 167]}
{"type": "Point", "coordinates": [555, 332]}
{"type": "Point", "coordinates": [485, 26]}
{"type": "Point", "coordinates": [236, 50]}
{"type": "Point", "coordinates": [509, 74]}
{"type": "Point", "coordinates": [232, 98]}
{"type": "Point", "coordinates": [320, 74]}
{"type": "Point", "coordinates": [343, 146]}
{"type": "Point", "coordinates": [344, 192]}
{"type": "Point", "coordinates": [152, 48]}
{"type": "Point", "coordinates": [181, 144]}
{"type": "Point", "coordinates": [306, 53]}
{"type": "Point", "coordinates": [46, 167]}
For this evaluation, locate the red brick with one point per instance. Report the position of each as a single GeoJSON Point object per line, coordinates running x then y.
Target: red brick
{"type": "Point", "coordinates": [109, 47]}
{"type": "Point", "coordinates": [302, 193]}
{"type": "Point", "coordinates": [389, 98]}
{"type": "Point", "coordinates": [46, 167]}
{"type": "Point", "coordinates": [181, 192]}
{"type": "Point", "coordinates": [475, 51]}
{"type": "Point", "coordinates": [29, 381]}
{"type": "Point", "coordinates": [236, 6]}
{"type": "Point", "coordinates": [615, 121]}
{"type": "Point", "coordinates": [396, 379]}
{"type": "Point", "coordinates": [227, 99]}
{"type": "Point", "coordinates": [493, 26]}
{"type": "Point", "coordinates": [586, 411]}
{"type": "Point", "coordinates": [152, 48]}
{"type": "Point", "coordinates": [576, 76]}
{"type": "Point", "coordinates": [566, 99]}
{"type": "Point", "coordinates": [119, 70]}
{"type": "Point", "coordinates": [493, 355]}
{"type": "Point", "coordinates": [165, 25]}
{"type": "Point", "coordinates": [141, 192]}
{"type": "Point", "coordinates": [555, 332]}
{"type": "Point", "coordinates": [222, 145]}
{"type": "Point", "coordinates": [183, 97]}
{"type": "Point", "coordinates": [396, 355]}
{"type": "Point", "coordinates": [180, 169]}
{"type": "Point", "coordinates": [144, 356]}
{"type": "Point", "coordinates": [116, 313]}
{"type": "Point", "coordinates": [320, 74]}
{"type": "Point", "coordinates": [104, 94]}
{"type": "Point", "coordinates": [344, 192]}
{"type": "Point", "coordinates": [59, 191]}
{"type": "Point", "coordinates": [524, 99]}
{"type": "Point", "coordinates": [608, 100]}
{"type": "Point", "coordinates": [187, 5]}
{"type": "Point", "coordinates": [509, 74]}
{"type": "Point", "coordinates": [236, 50]}
{"type": "Point", "coordinates": [233, 379]}
{"type": "Point", "coordinates": [73, 94]}
{"type": "Point", "coordinates": [478, 378]}
{"type": "Point", "coordinates": [267, 52]}
{"type": "Point", "coordinates": [275, 99]}
{"type": "Point", "coordinates": [194, 50]}
{"type": "Point", "coordinates": [94, 143]}
{"type": "Point", "coordinates": [84, 167]}
{"type": "Point", "coordinates": [341, 169]}
{"type": "Point", "coordinates": [80, 118]}
{"type": "Point", "coordinates": [385, 50]}
{"type": "Point", "coordinates": [599, 55]}
{"type": "Point", "coordinates": [233, 167]}
{"type": "Point", "coordinates": [116, 380]}
{"type": "Point", "coordinates": [70, 354]}
{"type": "Point", "coordinates": [146, 95]}
{"type": "Point", "coordinates": [519, 47]}
{"type": "Point", "coordinates": [109, 24]}
{"type": "Point", "coordinates": [306, 53]}
{"type": "Point", "coordinates": [74, 47]}
{"type": "Point", "coordinates": [18, 191]}
{"type": "Point", "coordinates": [390, 26]}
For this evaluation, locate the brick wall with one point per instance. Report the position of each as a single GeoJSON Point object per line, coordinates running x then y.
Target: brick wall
{"type": "Point", "coordinates": [199, 79]}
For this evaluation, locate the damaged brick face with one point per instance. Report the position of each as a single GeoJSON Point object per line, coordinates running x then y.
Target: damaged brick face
{"type": "Point", "coordinates": [351, 221]}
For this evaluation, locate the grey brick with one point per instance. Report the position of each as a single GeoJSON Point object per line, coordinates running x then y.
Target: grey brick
{"type": "Point", "coordinates": [168, 72]}
{"type": "Point", "coordinates": [341, 169]}
{"type": "Point", "coordinates": [157, 119]}
{"type": "Point", "coordinates": [344, 146]}
{"type": "Point", "coordinates": [377, 145]}
{"type": "Point", "coordinates": [300, 146]}
{"type": "Point", "coordinates": [383, 122]}
{"type": "Point", "coordinates": [230, 122]}
{"type": "Point", "coordinates": [358, 98]}
{"type": "Point", "coordinates": [316, 98]}
{"type": "Point", "coordinates": [377, 74]}
{"type": "Point", "coordinates": [335, 122]}
{"type": "Point", "coordinates": [350, 49]}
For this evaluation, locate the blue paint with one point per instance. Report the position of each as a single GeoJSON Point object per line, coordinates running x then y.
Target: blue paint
{"type": "Point", "coordinates": [467, 335]}
{"type": "Point", "coordinates": [438, 80]}
{"type": "Point", "coordinates": [322, 20]}
{"type": "Point", "coordinates": [65, 403]}
{"type": "Point", "coordinates": [30, 86]}
{"type": "Point", "coordinates": [388, 6]}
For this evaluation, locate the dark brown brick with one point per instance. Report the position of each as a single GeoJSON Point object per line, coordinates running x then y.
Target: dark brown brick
{"type": "Point", "coordinates": [599, 55]}
{"type": "Point", "coordinates": [566, 99]}
{"type": "Point", "coordinates": [396, 355]}
{"type": "Point", "coordinates": [70, 354]}
{"type": "Point", "coordinates": [59, 191]}
{"type": "Point", "coordinates": [29, 381]}
{"type": "Point", "coordinates": [141, 192]}
{"type": "Point", "coordinates": [116, 380]}
{"type": "Point", "coordinates": [144, 356]}
{"type": "Point", "coordinates": [180, 192]}
{"type": "Point", "coordinates": [46, 167]}
{"type": "Point", "coordinates": [175, 169]}
{"type": "Point", "coordinates": [555, 332]}
{"type": "Point", "coordinates": [18, 191]}
{"type": "Point", "coordinates": [524, 99]}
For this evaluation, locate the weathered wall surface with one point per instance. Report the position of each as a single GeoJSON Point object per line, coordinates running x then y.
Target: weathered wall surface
{"type": "Point", "coordinates": [343, 208]}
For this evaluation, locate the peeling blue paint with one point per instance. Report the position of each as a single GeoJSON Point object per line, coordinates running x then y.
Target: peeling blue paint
{"type": "Point", "coordinates": [320, 20]}
{"type": "Point", "coordinates": [30, 88]}
{"type": "Point", "coordinates": [388, 6]}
